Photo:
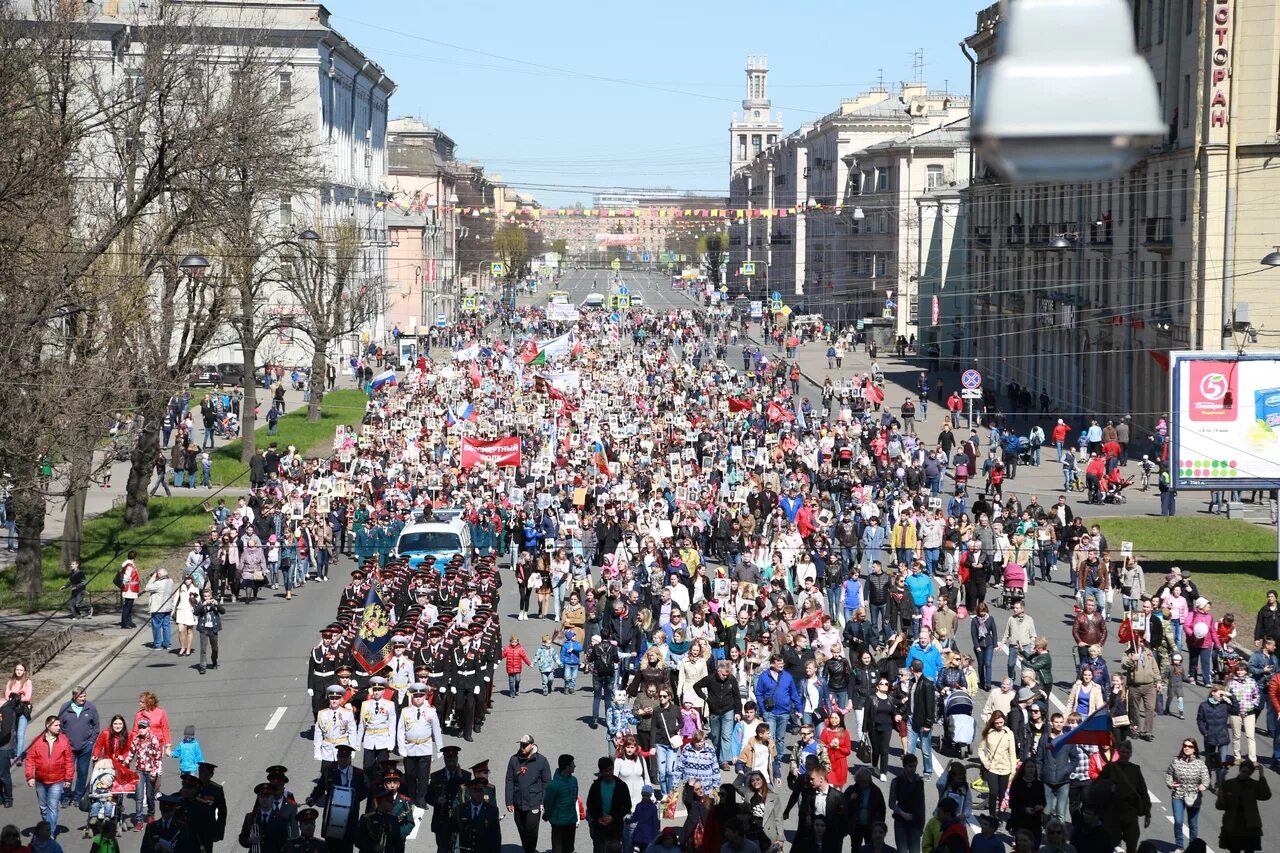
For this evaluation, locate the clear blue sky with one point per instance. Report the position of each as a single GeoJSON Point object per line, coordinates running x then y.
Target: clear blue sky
{"type": "Point", "coordinates": [560, 96]}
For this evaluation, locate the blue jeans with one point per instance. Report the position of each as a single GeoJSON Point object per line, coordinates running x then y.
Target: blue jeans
{"type": "Point", "coordinates": [513, 684]}
{"type": "Point", "coordinates": [1201, 660]}
{"type": "Point", "coordinates": [50, 799]}
{"type": "Point", "coordinates": [1014, 653]}
{"type": "Point", "coordinates": [208, 438]}
{"type": "Point", "coordinates": [880, 622]}
{"type": "Point", "coordinates": [160, 630]}
{"type": "Point", "coordinates": [931, 560]}
{"type": "Point", "coordinates": [833, 598]}
{"type": "Point", "coordinates": [1057, 802]}
{"type": "Point", "coordinates": [557, 599]}
{"type": "Point", "coordinates": [924, 741]}
{"type": "Point", "coordinates": [84, 763]}
{"type": "Point", "coordinates": [20, 744]}
{"type": "Point", "coordinates": [778, 731]}
{"type": "Point", "coordinates": [322, 563]}
{"type": "Point", "coordinates": [722, 735]}
{"type": "Point", "coordinates": [1178, 635]}
{"type": "Point", "coordinates": [1096, 594]}
{"type": "Point", "coordinates": [570, 677]}
{"type": "Point", "coordinates": [1192, 815]}
{"type": "Point", "coordinates": [666, 768]}
{"type": "Point", "coordinates": [145, 796]}
{"type": "Point", "coordinates": [984, 659]}
{"type": "Point", "coordinates": [1068, 479]}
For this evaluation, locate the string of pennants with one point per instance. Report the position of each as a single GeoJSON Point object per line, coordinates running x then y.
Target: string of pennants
{"type": "Point", "coordinates": [723, 213]}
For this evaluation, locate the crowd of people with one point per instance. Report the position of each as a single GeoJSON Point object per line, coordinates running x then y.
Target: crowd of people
{"type": "Point", "coordinates": [775, 608]}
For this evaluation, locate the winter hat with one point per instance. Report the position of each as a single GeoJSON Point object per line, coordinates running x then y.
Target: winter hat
{"type": "Point", "coordinates": [189, 731]}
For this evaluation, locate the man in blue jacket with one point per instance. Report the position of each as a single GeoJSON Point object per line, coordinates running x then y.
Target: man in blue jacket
{"type": "Point", "coordinates": [920, 586]}
{"type": "Point", "coordinates": [779, 700]}
{"type": "Point", "coordinates": [927, 653]}
{"type": "Point", "coordinates": [80, 724]}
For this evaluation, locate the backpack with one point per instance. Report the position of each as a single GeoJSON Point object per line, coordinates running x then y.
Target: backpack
{"type": "Point", "coordinates": [117, 580]}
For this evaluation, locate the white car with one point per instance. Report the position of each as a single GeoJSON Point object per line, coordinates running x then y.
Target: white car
{"type": "Point", "coordinates": [593, 300]}
{"type": "Point", "coordinates": [637, 301]}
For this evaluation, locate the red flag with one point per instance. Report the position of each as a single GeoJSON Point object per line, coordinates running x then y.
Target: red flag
{"type": "Point", "coordinates": [475, 374]}
{"type": "Point", "coordinates": [872, 392]}
{"type": "Point", "coordinates": [602, 462]}
{"type": "Point", "coordinates": [1162, 359]}
{"type": "Point", "coordinates": [776, 413]}
{"type": "Point", "coordinates": [738, 405]}
{"type": "Point", "coordinates": [812, 620]}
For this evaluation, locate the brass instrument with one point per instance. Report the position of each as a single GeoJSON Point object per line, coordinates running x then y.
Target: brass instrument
{"type": "Point", "coordinates": [255, 837]}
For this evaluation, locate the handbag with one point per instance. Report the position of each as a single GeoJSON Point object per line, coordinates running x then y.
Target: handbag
{"type": "Point", "coordinates": [1120, 720]}
{"type": "Point", "coordinates": [864, 752]}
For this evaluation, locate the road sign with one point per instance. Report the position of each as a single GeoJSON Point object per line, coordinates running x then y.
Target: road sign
{"type": "Point", "coordinates": [616, 265]}
{"type": "Point", "coordinates": [971, 379]}
{"type": "Point", "coordinates": [971, 393]}
{"type": "Point", "coordinates": [647, 257]}
{"type": "Point", "coordinates": [775, 305]}
{"type": "Point", "coordinates": [468, 303]}
{"type": "Point", "coordinates": [776, 296]}
{"type": "Point", "coordinates": [441, 320]}
{"type": "Point", "coordinates": [497, 269]}
{"type": "Point", "coordinates": [748, 268]}
{"type": "Point", "coordinates": [624, 301]}
{"type": "Point", "coordinates": [786, 310]}
{"type": "Point", "coordinates": [624, 291]}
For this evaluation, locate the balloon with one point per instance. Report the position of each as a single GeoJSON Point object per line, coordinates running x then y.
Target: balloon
{"type": "Point", "coordinates": [1201, 630]}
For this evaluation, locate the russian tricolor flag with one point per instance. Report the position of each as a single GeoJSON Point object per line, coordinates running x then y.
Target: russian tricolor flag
{"type": "Point", "coordinates": [1094, 730]}
{"type": "Point", "coordinates": [386, 377]}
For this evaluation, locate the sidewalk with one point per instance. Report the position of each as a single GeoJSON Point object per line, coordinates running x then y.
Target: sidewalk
{"type": "Point", "coordinates": [102, 499]}
{"type": "Point", "coordinates": [900, 378]}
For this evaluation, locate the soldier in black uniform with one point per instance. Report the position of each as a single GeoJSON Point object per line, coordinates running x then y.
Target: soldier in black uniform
{"type": "Point", "coordinates": [213, 794]}
{"type": "Point", "coordinates": [306, 842]}
{"type": "Point", "coordinates": [171, 829]}
{"type": "Point", "coordinates": [382, 830]}
{"type": "Point", "coordinates": [263, 826]}
{"type": "Point", "coordinates": [198, 814]}
{"type": "Point", "coordinates": [476, 821]}
{"type": "Point", "coordinates": [322, 665]}
{"type": "Point", "coordinates": [465, 686]}
{"type": "Point", "coordinates": [445, 785]}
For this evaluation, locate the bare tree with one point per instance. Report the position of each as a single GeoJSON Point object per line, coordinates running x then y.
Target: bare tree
{"type": "Point", "coordinates": [333, 298]}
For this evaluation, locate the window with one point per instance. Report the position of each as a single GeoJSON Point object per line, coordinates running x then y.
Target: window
{"type": "Point", "coordinates": [742, 146]}
{"type": "Point", "coordinates": [134, 83]}
{"type": "Point", "coordinates": [882, 265]}
{"type": "Point", "coordinates": [755, 144]}
{"type": "Point", "coordinates": [934, 178]}
{"type": "Point", "coordinates": [882, 178]}
{"type": "Point", "coordinates": [1188, 16]}
{"type": "Point", "coordinates": [1186, 100]}
{"type": "Point", "coordinates": [882, 223]}
{"type": "Point", "coordinates": [286, 211]}
{"type": "Point", "coordinates": [285, 81]}
{"type": "Point", "coordinates": [772, 139]}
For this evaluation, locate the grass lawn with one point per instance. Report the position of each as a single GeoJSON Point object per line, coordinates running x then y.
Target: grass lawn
{"type": "Point", "coordinates": [175, 522]}
{"type": "Point", "coordinates": [339, 407]}
{"type": "Point", "coordinates": [1232, 562]}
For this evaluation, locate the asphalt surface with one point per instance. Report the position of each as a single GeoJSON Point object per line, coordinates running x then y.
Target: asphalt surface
{"type": "Point", "coordinates": [250, 713]}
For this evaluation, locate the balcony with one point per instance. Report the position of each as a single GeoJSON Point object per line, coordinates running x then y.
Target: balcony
{"type": "Point", "coordinates": [1045, 234]}
{"type": "Point", "coordinates": [1017, 235]}
{"type": "Point", "coordinates": [1101, 232]}
{"type": "Point", "coordinates": [1159, 234]}
{"type": "Point", "coordinates": [982, 236]}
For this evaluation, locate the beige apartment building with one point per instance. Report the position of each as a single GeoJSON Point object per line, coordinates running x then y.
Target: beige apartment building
{"type": "Point", "coordinates": [1079, 290]}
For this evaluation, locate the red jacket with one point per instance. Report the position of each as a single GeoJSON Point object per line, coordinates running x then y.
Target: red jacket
{"type": "Point", "coordinates": [516, 657]}
{"type": "Point", "coordinates": [48, 763]}
{"type": "Point", "coordinates": [1060, 432]}
{"type": "Point", "coordinates": [1273, 694]}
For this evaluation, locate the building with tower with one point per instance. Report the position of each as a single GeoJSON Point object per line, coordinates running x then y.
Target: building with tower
{"type": "Point", "coordinates": [759, 127]}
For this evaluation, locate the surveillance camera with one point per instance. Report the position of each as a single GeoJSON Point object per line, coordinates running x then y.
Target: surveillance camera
{"type": "Point", "coordinates": [1067, 98]}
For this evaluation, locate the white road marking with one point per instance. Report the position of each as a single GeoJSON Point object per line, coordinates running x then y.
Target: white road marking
{"type": "Point", "coordinates": [417, 822]}
{"type": "Point", "coordinates": [1057, 703]}
{"type": "Point", "coordinates": [276, 717]}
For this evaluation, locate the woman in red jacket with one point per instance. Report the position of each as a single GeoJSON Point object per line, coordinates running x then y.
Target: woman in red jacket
{"type": "Point", "coordinates": [516, 659]}
{"type": "Point", "coordinates": [149, 709]}
{"type": "Point", "coordinates": [113, 742]}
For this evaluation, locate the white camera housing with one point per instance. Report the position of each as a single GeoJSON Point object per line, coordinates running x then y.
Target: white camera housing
{"type": "Point", "coordinates": [1068, 97]}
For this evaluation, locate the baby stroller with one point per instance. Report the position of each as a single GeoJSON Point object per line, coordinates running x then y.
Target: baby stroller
{"type": "Point", "coordinates": [1113, 493]}
{"type": "Point", "coordinates": [1013, 585]}
{"type": "Point", "coordinates": [958, 724]}
{"type": "Point", "coordinates": [1019, 446]}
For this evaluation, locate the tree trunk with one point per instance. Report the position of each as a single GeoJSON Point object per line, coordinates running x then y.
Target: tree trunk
{"type": "Point", "coordinates": [319, 367]}
{"type": "Point", "coordinates": [248, 422]}
{"type": "Point", "coordinates": [143, 458]}
{"type": "Point", "coordinates": [28, 507]}
{"type": "Point", "coordinates": [73, 515]}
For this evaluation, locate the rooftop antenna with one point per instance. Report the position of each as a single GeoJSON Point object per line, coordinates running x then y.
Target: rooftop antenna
{"type": "Point", "coordinates": [880, 80]}
{"type": "Point", "coordinates": [917, 65]}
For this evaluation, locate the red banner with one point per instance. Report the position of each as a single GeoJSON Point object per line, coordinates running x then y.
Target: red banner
{"type": "Point", "coordinates": [503, 452]}
{"type": "Point", "coordinates": [738, 405]}
{"type": "Point", "coordinates": [776, 413]}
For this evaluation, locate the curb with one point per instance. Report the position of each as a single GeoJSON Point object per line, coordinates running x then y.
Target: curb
{"type": "Point", "coordinates": [78, 677]}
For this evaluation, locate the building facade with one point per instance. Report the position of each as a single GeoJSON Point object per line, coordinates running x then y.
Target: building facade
{"type": "Point", "coordinates": [1079, 290]}
{"type": "Point", "coordinates": [795, 205]}
{"type": "Point", "coordinates": [759, 127]}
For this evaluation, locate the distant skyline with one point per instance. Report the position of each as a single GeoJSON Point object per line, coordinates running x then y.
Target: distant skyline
{"type": "Point", "coordinates": [592, 98]}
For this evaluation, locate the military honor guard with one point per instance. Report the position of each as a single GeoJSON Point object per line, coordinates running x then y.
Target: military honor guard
{"type": "Point", "coordinates": [213, 794]}
{"type": "Point", "coordinates": [264, 829]}
{"type": "Point", "coordinates": [307, 842]}
{"type": "Point", "coordinates": [197, 813]}
{"type": "Point", "coordinates": [335, 726]}
{"type": "Point", "coordinates": [382, 830]}
{"type": "Point", "coordinates": [322, 665]}
{"type": "Point", "coordinates": [169, 832]}
{"type": "Point", "coordinates": [376, 732]}
{"type": "Point", "coordinates": [400, 669]}
{"type": "Point", "coordinates": [418, 739]}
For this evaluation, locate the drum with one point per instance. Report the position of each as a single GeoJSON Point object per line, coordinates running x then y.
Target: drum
{"type": "Point", "coordinates": [339, 813]}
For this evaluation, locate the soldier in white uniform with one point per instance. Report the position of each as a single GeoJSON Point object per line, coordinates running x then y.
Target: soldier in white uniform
{"type": "Point", "coordinates": [418, 738]}
{"type": "Point", "coordinates": [335, 726]}
{"type": "Point", "coordinates": [376, 733]}
{"type": "Point", "coordinates": [400, 669]}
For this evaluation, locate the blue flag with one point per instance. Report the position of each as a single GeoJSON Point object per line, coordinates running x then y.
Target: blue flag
{"type": "Point", "coordinates": [373, 644]}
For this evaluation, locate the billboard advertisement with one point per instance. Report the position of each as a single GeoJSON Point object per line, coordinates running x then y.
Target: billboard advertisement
{"type": "Point", "coordinates": [1225, 429]}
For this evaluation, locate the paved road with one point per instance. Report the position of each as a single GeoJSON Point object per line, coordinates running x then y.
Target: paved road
{"type": "Point", "coordinates": [250, 712]}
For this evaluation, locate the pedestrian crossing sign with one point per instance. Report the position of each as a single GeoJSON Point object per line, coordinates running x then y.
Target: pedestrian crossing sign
{"type": "Point", "coordinates": [748, 268]}
{"type": "Point", "coordinates": [497, 269]}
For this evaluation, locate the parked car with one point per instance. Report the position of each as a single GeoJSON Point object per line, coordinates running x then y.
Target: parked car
{"type": "Point", "coordinates": [206, 374]}
{"type": "Point", "coordinates": [232, 373]}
